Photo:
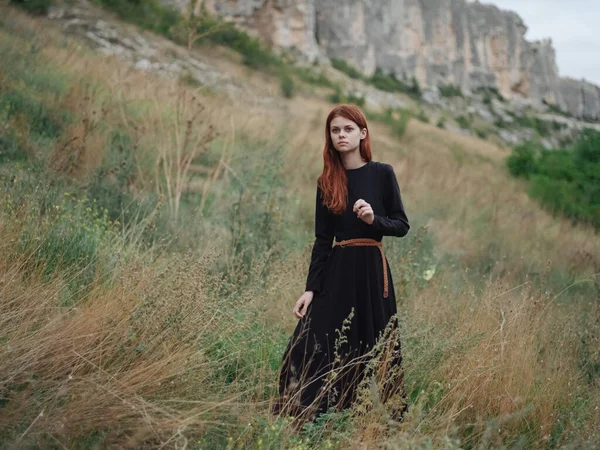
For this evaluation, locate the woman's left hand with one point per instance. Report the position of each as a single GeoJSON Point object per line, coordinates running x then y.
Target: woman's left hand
{"type": "Point", "coordinates": [364, 211]}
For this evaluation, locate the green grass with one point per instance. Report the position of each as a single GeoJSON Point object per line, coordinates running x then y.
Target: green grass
{"type": "Point", "coordinates": [397, 119]}
{"type": "Point", "coordinates": [210, 280]}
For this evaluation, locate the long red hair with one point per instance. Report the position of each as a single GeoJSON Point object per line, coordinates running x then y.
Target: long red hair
{"type": "Point", "coordinates": [333, 179]}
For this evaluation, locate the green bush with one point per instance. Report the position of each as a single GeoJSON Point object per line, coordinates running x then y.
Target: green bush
{"type": "Point", "coordinates": [441, 123]}
{"type": "Point", "coordinates": [522, 161]}
{"type": "Point", "coordinates": [148, 14]}
{"type": "Point", "coordinates": [422, 116]}
{"type": "Point", "coordinates": [338, 97]}
{"type": "Point", "coordinates": [450, 90]}
{"type": "Point", "coordinates": [396, 119]}
{"type": "Point", "coordinates": [38, 7]}
{"type": "Point", "coordinates": [389, 83]}
{"type": "Point", "coordinates": [557, 109]}
{"type": "Point", "coordinates": [343, 66]}
{"type": "Point", "coordinates": [564, 181]}
{"type": "Point", "coordinates": [542, 127]}
{"type": "Point", "coordinates": [286, 82]}
{"type": "Point", "coordinates": [355, 100]}
{"type": "Point", "coordinates": [464, 122]}
{"type": "Point", "coordinates": [312, 76]}
{"type": "Point", "coordinates": [481, 134]}
{"type": "Point", "coordinates": [489, 92]}
{"type": "Point", "coordinates": [414, 90]}
{"type": "Point", "coordinates": [400, 124]}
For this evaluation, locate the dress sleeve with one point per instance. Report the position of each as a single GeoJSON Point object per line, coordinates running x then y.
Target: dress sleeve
{"type": "Point", "coordinates": [324, 231]}
{"type": "Point", "coordinates": [395, 223]}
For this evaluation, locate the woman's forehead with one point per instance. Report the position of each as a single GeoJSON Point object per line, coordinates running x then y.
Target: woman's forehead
{"type": "Point", "coordinates": [340, 121]}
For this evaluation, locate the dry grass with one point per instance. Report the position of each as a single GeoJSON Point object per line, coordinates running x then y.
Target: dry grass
{"type": "Point", "coordinates": [168, 349]}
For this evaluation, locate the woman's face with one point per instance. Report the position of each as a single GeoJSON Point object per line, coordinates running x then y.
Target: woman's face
{"type": "Point", "coordinates": [345, 134]}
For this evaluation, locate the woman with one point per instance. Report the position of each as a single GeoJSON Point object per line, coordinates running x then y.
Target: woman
{"type": "Point", "coordinates": [348, 324]}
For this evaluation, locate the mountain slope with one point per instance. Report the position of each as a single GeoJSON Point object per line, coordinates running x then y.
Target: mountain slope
{"type": "Point", "coordinates": [145, 302]}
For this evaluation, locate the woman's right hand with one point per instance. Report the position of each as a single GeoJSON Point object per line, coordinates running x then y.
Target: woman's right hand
{"type": "Point", "coordinates": [302, 304]}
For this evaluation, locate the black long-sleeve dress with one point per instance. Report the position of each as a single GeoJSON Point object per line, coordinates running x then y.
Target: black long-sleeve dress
{"type": "Point", "coordinates": [326, 357]}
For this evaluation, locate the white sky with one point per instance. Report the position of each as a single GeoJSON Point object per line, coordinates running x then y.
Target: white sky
{"type": "Point", "coordinates": [573, 26]}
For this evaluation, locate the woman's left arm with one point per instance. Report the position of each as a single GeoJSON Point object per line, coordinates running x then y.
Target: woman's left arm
{"type": "Point", "coordinates": [396, 222]}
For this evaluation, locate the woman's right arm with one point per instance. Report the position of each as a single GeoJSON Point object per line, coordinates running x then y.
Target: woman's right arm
{"type": "Point", "coordinates": [324, 231]}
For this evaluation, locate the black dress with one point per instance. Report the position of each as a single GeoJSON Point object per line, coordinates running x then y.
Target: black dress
{"type": "Point", "coordinates": [326, 357]}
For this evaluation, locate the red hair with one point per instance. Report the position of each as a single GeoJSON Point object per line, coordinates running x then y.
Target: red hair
{"type": "Point", "coordinates": [333, 179]}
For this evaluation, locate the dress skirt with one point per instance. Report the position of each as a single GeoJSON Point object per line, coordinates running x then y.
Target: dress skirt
{"type": "Point", "coordinates": [332, 354]}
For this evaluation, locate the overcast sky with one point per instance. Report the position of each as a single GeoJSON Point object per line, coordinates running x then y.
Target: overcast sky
{"type": "Point", "coordinates": [573, 25]}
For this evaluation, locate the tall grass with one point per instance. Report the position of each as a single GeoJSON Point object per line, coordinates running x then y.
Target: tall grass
{"type": "Point", "coordinates": [157, 315]}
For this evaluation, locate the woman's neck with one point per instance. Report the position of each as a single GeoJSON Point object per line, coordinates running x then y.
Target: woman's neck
{"type": "Point", "coordinates": [352, 160]}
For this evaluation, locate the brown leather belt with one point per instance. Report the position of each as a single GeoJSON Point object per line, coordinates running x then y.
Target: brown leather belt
{"type": "Point", "coordinates": [368, 242]}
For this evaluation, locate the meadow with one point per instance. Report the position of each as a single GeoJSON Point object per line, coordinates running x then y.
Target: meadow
{"type": "Point", "coordinates": [155, 236]}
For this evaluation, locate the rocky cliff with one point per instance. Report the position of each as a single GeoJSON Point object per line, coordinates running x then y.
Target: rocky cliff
{"type": "Point", "coordinates": [436, 41]}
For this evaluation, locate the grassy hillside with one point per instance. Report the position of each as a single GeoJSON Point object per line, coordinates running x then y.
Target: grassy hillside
{"type": "Point", "coordinates": [155, 237]}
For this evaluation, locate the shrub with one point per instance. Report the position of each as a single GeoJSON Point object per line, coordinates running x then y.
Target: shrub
{"type": "Point", "coordinates": [500, 123]}
{"type": "Point", "coordinates": [343, 66]}
{"type": "Point", "coordinates": [148, 14]}
{"type": "Point", "coordinates": [38, 7]}
{"type": "Point", "coordinates": [521, 163]}
{"type": "Point", "coordinates": [339, 97]}
{"type": "Point", "coordinates": [557, 109]}
{"type": "Point", "coordinates": [489, 92]}
{"type": "Point", "coordinates": [286, 82]}
{"type": "Point", "coordinates": [481, 134]}
{"type": "Point", "coordinates": [450, 90]}
{"type": "Point", "coordinates": [564, 181]}
{"type": "Point", "coordinates": [542, 127]}
{"type": "Point", "coordinates": [587, 148]}
{"type": "Point", "coordinates": [400, 124]}
{"type": "Point", "coordinates": [441, 123]}
{"type": "Point", "coordinates": [312, 76]}
{"type": "Point", "coordinates": [336, 96]}
{"type": "Point", "coordinates": [355, 100]}
{"type": "Point", "coordinates": [422, 116]}
{"type": "Point", "coordinates": [387, 82]}
{"type": "Point", "coordinates": [414, 89]}
{"type": "Point", "coordinates": [464, 122]}
{"type": "Point", "coordinates": [397, 119]}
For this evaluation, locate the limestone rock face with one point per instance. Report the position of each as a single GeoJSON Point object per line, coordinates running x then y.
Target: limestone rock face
{"type": "Point", "coordinates": [581, 98]}
{"type": "Point", "coordinates": [468, 44]}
